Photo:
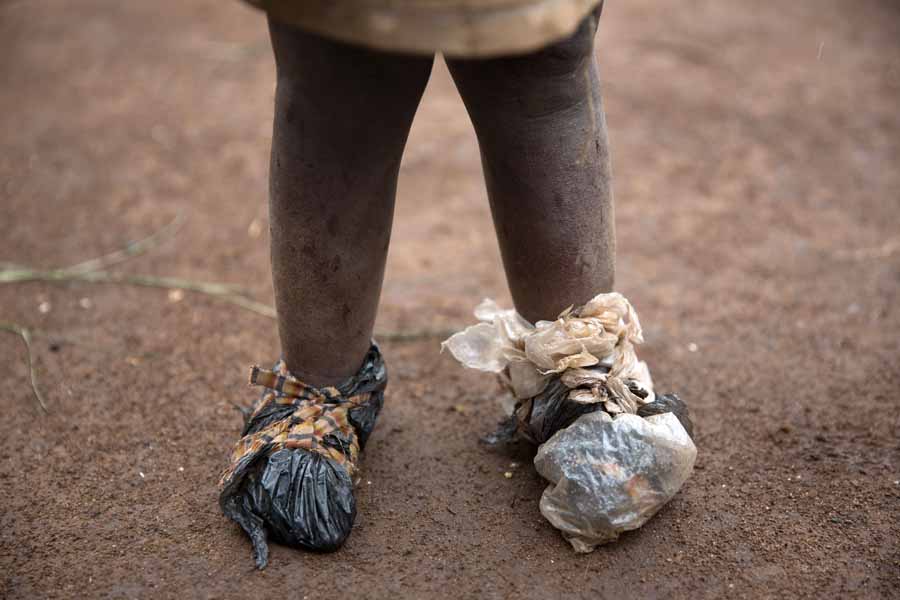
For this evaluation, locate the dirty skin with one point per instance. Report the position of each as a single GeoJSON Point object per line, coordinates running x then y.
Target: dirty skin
{"type": "Point", "coordinates": [342, 118]}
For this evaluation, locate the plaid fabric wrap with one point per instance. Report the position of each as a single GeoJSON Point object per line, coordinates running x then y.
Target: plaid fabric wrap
{"type": "Point", "coordinates": [333, 421]}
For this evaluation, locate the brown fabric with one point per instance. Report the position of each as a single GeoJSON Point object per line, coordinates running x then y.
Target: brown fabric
{"type": "Point", "coordinates": [463, 28]}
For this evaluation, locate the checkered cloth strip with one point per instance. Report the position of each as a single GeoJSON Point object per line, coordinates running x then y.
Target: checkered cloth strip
{"type": "Point", "coordinates": [292, 414]}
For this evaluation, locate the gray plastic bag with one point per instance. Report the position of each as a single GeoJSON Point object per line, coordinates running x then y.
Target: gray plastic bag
{"type": "Point", "coordinates": [612, 449]}
{"type": "Point", "coordinates": [611, 474]}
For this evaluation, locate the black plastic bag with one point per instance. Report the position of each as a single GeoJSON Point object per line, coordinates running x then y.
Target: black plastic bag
{"type": "Point", "coordinates": [302, 496]}
{"type": "Point", "coordinates": [538, 418]}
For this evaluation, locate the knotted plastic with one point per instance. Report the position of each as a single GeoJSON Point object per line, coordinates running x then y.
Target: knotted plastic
{"type": "Point", "coordinates": [613, 451]}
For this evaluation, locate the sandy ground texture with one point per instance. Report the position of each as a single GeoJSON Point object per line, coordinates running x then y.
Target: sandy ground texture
{"type": "Point", "coordinates": [757, 162]}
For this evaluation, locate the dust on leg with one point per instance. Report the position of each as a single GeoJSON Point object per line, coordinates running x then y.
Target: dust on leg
{"type": "Point", "coordinates": [342, 116]}
{"type": "Point", "coordinates": [541, 130]}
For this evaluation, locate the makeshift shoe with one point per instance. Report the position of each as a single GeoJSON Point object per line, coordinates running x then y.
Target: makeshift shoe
{"type": "Point", "coordinates": [612, 451]}
{"type": "Point", "coordinates": [291, 473]}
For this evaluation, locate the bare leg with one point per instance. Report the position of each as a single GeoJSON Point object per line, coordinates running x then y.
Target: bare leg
{"type": "Point", "coordinates": [542, 133]}
{"type": "Point", "coordinates": [342, 116]}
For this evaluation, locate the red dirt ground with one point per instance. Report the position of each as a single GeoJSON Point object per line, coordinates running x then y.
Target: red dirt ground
{"type": "Point", "coordinates": [757, 163]}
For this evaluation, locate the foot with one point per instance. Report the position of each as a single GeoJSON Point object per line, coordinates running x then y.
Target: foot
{"type": "Point", "coordinates": [291, 473]}
{"type": "Point", "coordinates": [612, 451]}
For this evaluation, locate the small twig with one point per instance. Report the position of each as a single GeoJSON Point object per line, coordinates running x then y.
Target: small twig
{"type": "Point", "coordinates": [62, 275]}
{"type": "Point", "coordinates": [204, 287]}
{"type": "Point", "coordinates": [25, 334]}
{"type": "Point", "coordinates": [414, 335]}
{"type": "Point", "coordinates": [132, 249]}
{"type": "Point", "coordinates": [93, 271]}
{"type": "Point", "coordinates": [227, 292]}
{"type": "Point", "coordinates": [251, 305]}
{"type": "Point", "coordinates": [15, 273]}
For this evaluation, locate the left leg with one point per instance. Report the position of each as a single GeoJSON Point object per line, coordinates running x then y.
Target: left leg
{"type": "Point", "coordinates": [542, 134]}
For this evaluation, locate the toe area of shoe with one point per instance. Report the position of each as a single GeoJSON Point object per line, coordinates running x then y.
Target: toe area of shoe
{"type": "Point", "coordinates": [305, 499]}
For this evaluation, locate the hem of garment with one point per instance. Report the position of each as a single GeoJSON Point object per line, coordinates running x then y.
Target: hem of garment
{"type": "Point", "coordinates": [464, 31]}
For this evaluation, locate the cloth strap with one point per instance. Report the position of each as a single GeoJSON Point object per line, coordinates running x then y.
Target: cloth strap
{"type": "Point", "coordinates": [293, 414]}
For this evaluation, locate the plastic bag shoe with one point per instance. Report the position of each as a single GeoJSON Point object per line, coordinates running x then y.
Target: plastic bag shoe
{"type": "Point", "coordinates": [291, 473]}
{"type": "Point", "coordinates": [613, 451]}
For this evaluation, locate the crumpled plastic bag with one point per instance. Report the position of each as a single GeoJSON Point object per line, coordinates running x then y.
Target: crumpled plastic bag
{"type": "Point", "coordinates": [291, 473]}
{"type": "Point", "coordinates": [299, 498]}
{"type": "Point", "coordinates": [613, 450]}
{"type": "Point", "coordinates": [611, 474]}
{"type": "Point", "coordinates": [600, 333]}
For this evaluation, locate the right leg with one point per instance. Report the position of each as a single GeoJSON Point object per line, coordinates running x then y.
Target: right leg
{"type": "Point", "coordinates": [342, 116]}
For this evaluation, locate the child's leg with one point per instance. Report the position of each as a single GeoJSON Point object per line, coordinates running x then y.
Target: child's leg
{"type": "Point", "coordinates": [542, 134]}
{"type": "Point", "coordinates": [342, 116]}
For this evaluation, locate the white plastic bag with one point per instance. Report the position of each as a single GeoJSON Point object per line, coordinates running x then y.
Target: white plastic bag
{"type": "Point", "coordinates": [602, 332]}
{"type": "Point", "coordinates": [609, 469]}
